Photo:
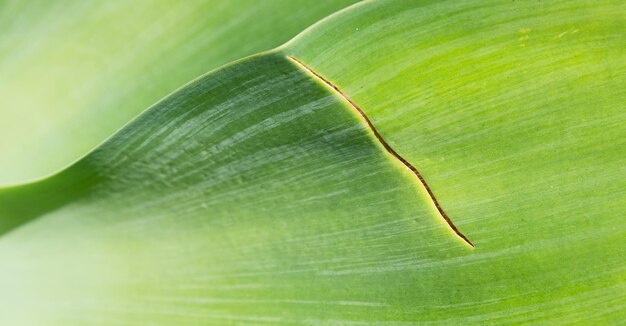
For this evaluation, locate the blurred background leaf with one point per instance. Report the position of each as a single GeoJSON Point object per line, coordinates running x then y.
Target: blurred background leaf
{"type": "Point", "coordinates": [74, 72]}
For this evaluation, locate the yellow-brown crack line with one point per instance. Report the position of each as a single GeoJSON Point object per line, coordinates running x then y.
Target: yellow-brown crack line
{"type": "Point", "coordinates": [387, 147]}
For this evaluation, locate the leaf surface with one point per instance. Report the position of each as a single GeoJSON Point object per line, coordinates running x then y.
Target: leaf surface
{"type": "Point", "coordinates": [259, 195]}
{"type": "Point", "coordinates": [514, 113]}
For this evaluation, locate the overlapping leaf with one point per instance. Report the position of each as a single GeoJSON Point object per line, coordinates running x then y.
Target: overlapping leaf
{"type": "Point", "coordinates": [257, 195]}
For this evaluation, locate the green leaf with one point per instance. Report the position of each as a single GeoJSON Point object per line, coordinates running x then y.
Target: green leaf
{"type": "Point", "coordinates": [74, 72]}
{"type": "Point", "coordinates": [514, 114]}
{"type": "Point", "coordinates": [260, 194]}
{"type": "Point", "coordinates": [252, 194]}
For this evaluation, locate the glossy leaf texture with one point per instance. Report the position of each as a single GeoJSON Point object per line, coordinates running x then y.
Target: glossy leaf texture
{"type": "Point", "coordinates": [258, 195]}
